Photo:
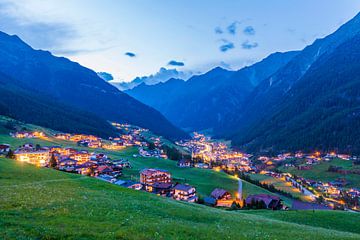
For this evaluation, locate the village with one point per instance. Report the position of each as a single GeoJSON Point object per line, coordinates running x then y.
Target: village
{"type": "Point", "coordinates": [205, 153]}
{"type": "Point", "coordinates": [325, 195]}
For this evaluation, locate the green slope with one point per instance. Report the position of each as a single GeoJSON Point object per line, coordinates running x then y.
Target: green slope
{"type": "Point", "coordinates": [38, 203]}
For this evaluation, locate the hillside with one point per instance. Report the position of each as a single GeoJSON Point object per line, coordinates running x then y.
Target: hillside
{"type": "Point", "coordinates": [47, 204]}
{"type": "Point", "coordinates": [204, 101]}
{"type": "Point", "coordinates": [26, 106]}
{"type": "Point", "coordinates": [72, 84]}
{"type": "Point", "coordinates": [320, 111]}
{"type": "Point", "coordinates": [261, 104]}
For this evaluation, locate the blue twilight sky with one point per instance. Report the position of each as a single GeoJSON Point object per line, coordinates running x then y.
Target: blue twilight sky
{"type": "Point", "coordinates": [130, 38]}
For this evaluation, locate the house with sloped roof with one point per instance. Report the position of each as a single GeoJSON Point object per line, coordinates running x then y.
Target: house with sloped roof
{"type": "Point", "coordinates": [185, 192]}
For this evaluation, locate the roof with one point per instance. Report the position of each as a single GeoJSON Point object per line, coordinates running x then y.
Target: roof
{"type": "Point", "coordinates": [68, 160]}
{"type": "Point", "coordinates": [218, 193]}
{"type": "Point", "coordinates": [210, 200]}
{"type": "Point", "coordinates": [162, 185]}
{"type": "Point", "coordinates": [102, 168]}
{"type": "Point", "coordinates": [4, 146]}
{"type": "Point", "coordinates": [183, 187]}
{"type": "Point", "coordinates": [151, 171]}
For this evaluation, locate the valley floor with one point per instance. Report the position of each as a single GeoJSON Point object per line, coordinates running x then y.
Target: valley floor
{"type": "Point", "coordinates": [40, 203]}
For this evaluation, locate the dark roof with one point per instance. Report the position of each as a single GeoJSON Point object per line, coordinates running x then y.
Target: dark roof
{"type": "Point", "coordinates": [210, 200]}
{"type": "Point", "coordinates": [218, 193]}
{"type": "Point", "coordinates": [183, 187]}
{"type": "Point", "coordinates": [162, 185]}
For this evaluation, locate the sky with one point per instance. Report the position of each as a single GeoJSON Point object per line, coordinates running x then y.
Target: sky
{"type": "Point", "coordinates": [130, 38]}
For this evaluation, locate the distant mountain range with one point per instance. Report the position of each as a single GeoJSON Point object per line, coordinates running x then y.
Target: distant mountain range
{"type": "Point", "coordinates": [162, 75]}
{"type": "Point", "coordinates": [48, 77]}
{"type": "Point", "coordinates": [205, 100]}
{"type": "Point", "coordinates": [303, 100]}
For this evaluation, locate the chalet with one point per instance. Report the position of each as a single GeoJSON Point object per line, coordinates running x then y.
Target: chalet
{"type": "Point", "coordinates": [81, 157]}
{"type": "Point", "coordinates": [104, 169]}
{"type": "Point", "coordinates": [122, 163]}
{"type": "Point", "coordinates": [85, 168]}
{"type": "Point", "coordinates": [67, 164]}
{"type": "Point", "coordinates": [223, 197]}
{"type": "Point", "coordinates": [106, 178]}
{"type": "Point", "coordinates": [162, 189]}
{"type": "Point", "coordinates": [184, 163]}
{"type": "Point", "coordinates": [62, 136]}
{"type": "Point", "coordinates": [36, 157]}
{"type": "Point", "coordinates": [185, 193]}
{"type": "Point", "coordinates": [270, 201]}
{"type": "Point", "coordinates": [220, 194]}
{"type": "Point", "coordinates": [150, 176]}
{"type": "Point", "coordinates": [4, 148]}
{"type": "Point", "coordinates": [202, 165]}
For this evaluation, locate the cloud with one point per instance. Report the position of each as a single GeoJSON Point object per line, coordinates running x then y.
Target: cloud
{"type": "Point", "coordinates": [226, 46]}
{"type": "Point", "coordinates": [105, 76]}
{"type": "Point", "coordinates": [218, 30]}
{"type": "Point", "coordinates": [248, 45]}
{"type": "Point", "coordinates": [130, 54]}
{"type": "Point", "coordinates": [44, 35]}
{"type": "Point", "coordinates": [249, 30]}
{"type": "Point", "coordinates": [176, 63]}
{"type": "Point", "coordinates": [72, 52]}
{"type": "Point", "coordinates": [232, 28]}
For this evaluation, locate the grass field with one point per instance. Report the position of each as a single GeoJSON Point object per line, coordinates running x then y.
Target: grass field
{"type": "Point", "coordinates": [280, 184]}
{"type": "Point", "coordinates": [39, 203]}
{"type": "Point", "coordinates": [319, 172]}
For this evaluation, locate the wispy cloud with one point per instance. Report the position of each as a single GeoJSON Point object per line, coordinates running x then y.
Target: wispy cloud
{"type": "Point", "coordinates": [248, 45]}
{"type": "Point", "coordinates": [249, 30]}
{"type": "Point", "coordinates": [44, 35]}
{"type": "Point", "coordinates": [130, 54]}
{"type": "Point", "coordinates": [218, 30]}
{"type": "Point", "coordinates": [226, 46]}
{"type": "Point", "coordinates": [232, 28]}
{"type": "Point", "coordinates": [74, 52]}
{"type": "Point", "coordinates": [176, 63]}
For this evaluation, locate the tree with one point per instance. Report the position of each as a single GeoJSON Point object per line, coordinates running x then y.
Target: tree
{"type": "Point", "coordinates": [52, 162]}
{"type": "Point", "coordinates": [10, 154]}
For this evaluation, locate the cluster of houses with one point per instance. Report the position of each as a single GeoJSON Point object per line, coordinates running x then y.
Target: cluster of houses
{"type": "Point", "coordinates": [70, 160]}
{"type": "Point", "coordinates": [156, 153]}
{"type": "Point", "coordinates": [215, 154]}
{"type": "Point", "coordinates": [28, 134]}
{"type": "Point", "coordinates": [333, 192]}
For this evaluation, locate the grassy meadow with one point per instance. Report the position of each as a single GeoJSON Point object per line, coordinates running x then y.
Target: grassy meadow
{"type": "Point", "coordinates": [40, 203]}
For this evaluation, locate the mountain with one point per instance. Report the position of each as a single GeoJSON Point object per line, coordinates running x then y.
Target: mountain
{"type": "Point", "coordinates": [162, 75]}
{"type": "Point", "coordinates": [72, 84]}
{"type": "Point", "coordinates": [205, 100]}
{"type": "Point", "coordinates": [30, 107]}
{"type": "Point", "coordinates": [261, 103]}
{"type": "Point", "coordinates": [320, 111]}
